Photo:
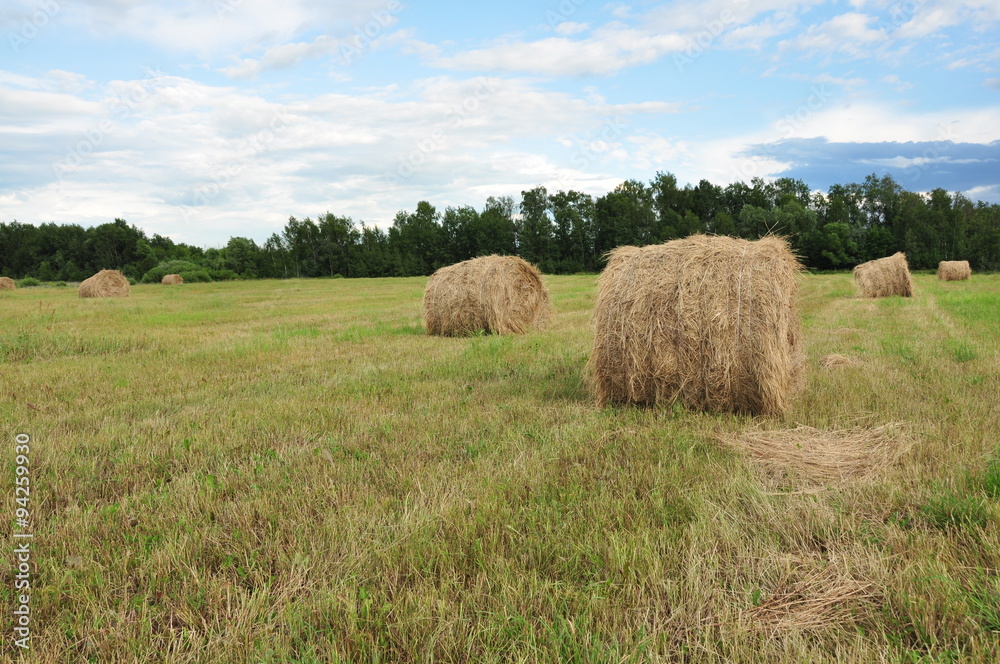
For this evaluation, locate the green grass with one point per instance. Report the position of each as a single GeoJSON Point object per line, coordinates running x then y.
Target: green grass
{"type": "Point", "coordinates": [291, 471]}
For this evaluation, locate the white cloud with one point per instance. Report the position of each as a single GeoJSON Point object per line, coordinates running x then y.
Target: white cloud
{"type": "Point", "coordinates": [195, 161]}
{"type": "Point", "coordinates": [569, 28]}
{"type": "Point", "coordinates": [849, 34]}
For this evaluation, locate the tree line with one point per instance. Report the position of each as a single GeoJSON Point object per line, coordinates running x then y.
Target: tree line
{"type": "Point", "coordinates": [561, 232]}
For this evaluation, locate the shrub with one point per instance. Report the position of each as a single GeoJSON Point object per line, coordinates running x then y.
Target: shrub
{"type": "Point", "coordinates": [27, 282]}
{"type": "Point", "coordinates": [222, 274]}
{"type": "Point", "coordinates": [190, 272]}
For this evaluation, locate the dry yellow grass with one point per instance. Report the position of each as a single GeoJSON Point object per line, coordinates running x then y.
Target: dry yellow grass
{"type": "Point", "coordinates": [172, 279]}
{"type": "Point", "coordinates": [6, 283]}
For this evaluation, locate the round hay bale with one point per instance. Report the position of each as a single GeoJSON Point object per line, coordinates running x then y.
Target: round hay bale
{"type": "Point", "coordinates": [171, 279]}
{"type": "Point", "coordinates": [491, 294]}
{"type": "Point", "coordinates": [884, 277]}
{"type": "Point", "coordinates": [6, 283]}
{"type": "Point", "coordinates": [106, 283]}
{"type": "Point", "coordinates": [709, 321]}
{"type": "Point", "coordinates": [954, 270]}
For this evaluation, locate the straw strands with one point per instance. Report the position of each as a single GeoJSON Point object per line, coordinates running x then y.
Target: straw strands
{"type": "Point", "coordinates": [6, 283]}
{"type": "Point", "coordinates": [171, 279]}
{"type": "Point", "coordinates": [884, 277]}
{"type": "Point", "coordinates": [954, 270]}
{"type": "Point", "coordinates": [491, 294]}
{"type": "Point", "coordinates": [821, 457]}
{"type": "Point", "coordinates": [836, 361]}
{"type": "Point", "coordinates": [710, 321]}
{"type": "Point", "coordinates": [106, 283]}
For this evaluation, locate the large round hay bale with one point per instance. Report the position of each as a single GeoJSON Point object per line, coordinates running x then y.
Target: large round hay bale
{"type": "Point", "coordinates": [707, 321]}
{"type": "Point", "coordinates": [884, 277]}
{"type": "Point", "coordinates": [106, 283]}
{"type": "Point", "coordinates": [6, 283]}
{"type": "Point", "coordinates": [954, 270]}
{"type": "Point", "coordinates": [171, 279]}
{"type": "Point", "coordinates": [491, 294]}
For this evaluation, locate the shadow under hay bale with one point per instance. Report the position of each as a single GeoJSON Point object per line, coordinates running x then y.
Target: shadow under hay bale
{"type": "Point", "coordinates": [171, 279]}
{"type": "Point", "coordinates": [954, 270]}
{"type": "Point", "coordinates": [6, 283]}
{"type": "Point", "coordinates": [491, 294]}
{"type": "Point", "coordinates": [821, 457]}
{"type": "Point", "coordinates": [709, 321]}
{"type": "Point", "coordinates": [884, 277]}
{"type": "Point", "coordinates": [106, 283]}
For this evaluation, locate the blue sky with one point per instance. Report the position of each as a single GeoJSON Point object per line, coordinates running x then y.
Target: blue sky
{"type": "Point", "coordinates": [206, 119]}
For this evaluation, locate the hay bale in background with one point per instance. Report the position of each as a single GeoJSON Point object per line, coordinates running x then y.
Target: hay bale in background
{"type": "Point", "coordinates": [492, 294]}
{"type": "Point", "coordinates": [171, 279]}
{"type": "Point", "coordinates": [6, 283]}
{"type": "Point", "coordinates": [710, 321]}
{"type": "Point", "coordinates": [954, 270]}
{"type": "Point", "coordinates": [106, 283]}
{"type": "Point", "coordinates": [884, 277]}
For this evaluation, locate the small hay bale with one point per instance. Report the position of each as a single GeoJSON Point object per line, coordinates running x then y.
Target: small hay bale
{"type": "Point", "coordinates": [954, 270]}
{"type": "Point", "coordinates": [491, 294]}
{"type": "Point", "coordinates": [171, 279]}
{"type": "Point", "coordinates": [835, 361]}
{"type": "Point", "coordinates": [6, 283]}
{"type": "Point", "coordinates": [106, 283]}
{"type": "Point", "coordinates": [821, 457]}
{"type": "Point", "coordinates": [884, 277]}
{"type": "Point", "coordinates": [710, 321]}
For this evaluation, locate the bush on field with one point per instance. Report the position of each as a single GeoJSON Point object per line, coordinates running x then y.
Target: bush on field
{"type": "Point", "coordinates": [28, 281]}
{"type": "Point", "coordinates": [221, 274]}
{"type": "Point", "coordinates": [190, 272]}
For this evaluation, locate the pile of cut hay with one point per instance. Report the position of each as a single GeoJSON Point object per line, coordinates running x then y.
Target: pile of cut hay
{"type": "Point", "coordinates": [815, 594]}
{"type": "Point", "coordinates": [6, 283]}
{"type": "Point", "coordinates": [170, 279]}
{"type": "Point", "coordinates": [835, 361]}
{"type": "Point", "coordinates": [106, 283]}
{"type": "Point", "coordinates": [709, 321]}
{"type": "Point", "coordinates": [491, 294]}
{"type": "Point", "coordinates": [954, 270]}
{"type": "Point", "coordinates": [884, 277]}
{"type": "Point", "coordinates": [821, 457]}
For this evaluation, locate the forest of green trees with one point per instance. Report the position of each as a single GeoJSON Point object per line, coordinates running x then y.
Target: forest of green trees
{"type": "Point", "coordinates": [562, 232]}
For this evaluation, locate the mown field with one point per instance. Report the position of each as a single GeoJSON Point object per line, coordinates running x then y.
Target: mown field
{"type": "Point", "coordinates": [291, 471]}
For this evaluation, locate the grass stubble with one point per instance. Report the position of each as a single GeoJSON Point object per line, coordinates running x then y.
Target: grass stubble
{"type": "Point", "coordinates": [294, 472]}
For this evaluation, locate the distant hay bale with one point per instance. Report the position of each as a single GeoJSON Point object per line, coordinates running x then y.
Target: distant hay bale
{"type": "Point", "coordinates": [6, 283]}
{"type": "Point", "coordinates": [106, 283]}
{"type": "Point", "coordinates": [884, 277]}
{"type": "Point", "coordinates": [709, 321]}
{"type": "Point", "coordinates": [171, 279]}
{"type": "Point", "coordinates": [954, 270]}
{"type": "Point", "coordinates": [491, 294]}
{"type": "Point", "coordinates": [836, 361]}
